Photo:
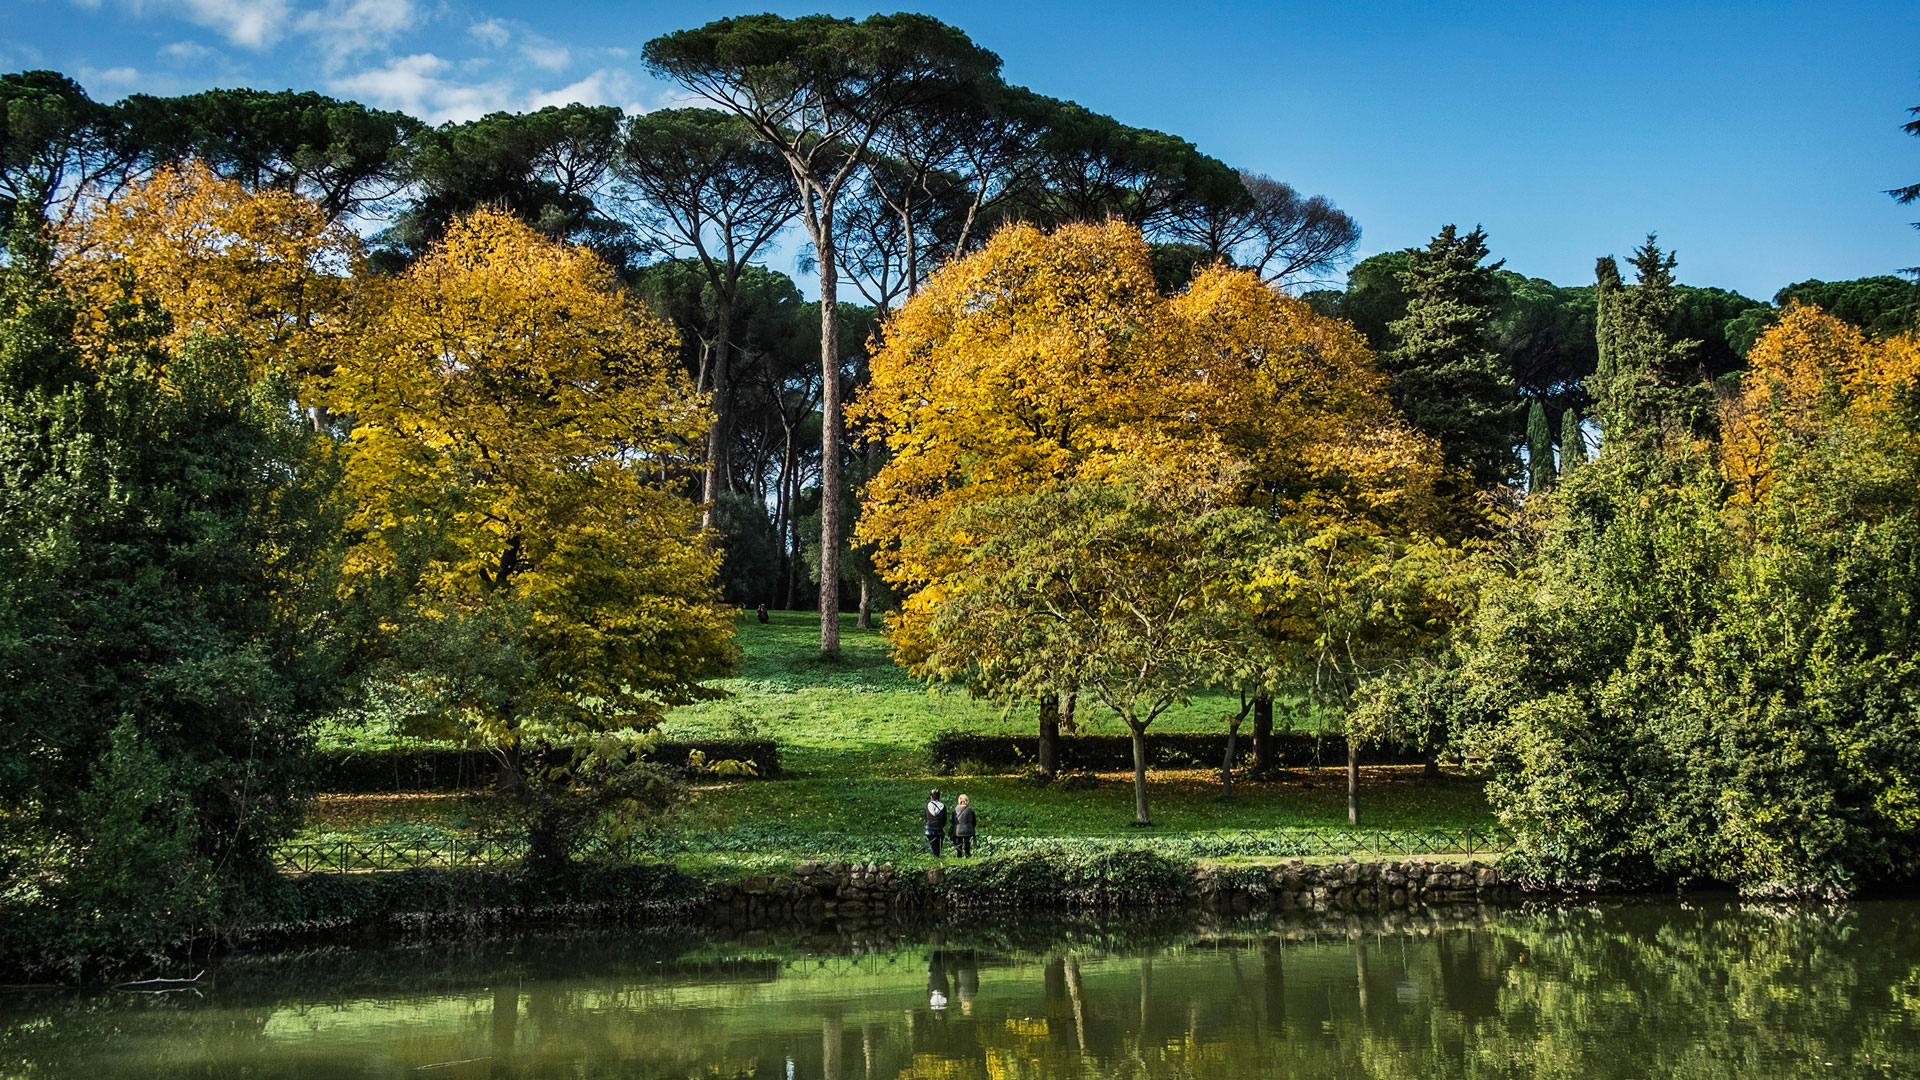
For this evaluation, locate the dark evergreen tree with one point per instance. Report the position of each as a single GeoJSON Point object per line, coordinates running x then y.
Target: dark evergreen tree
{"type": "Point", "coordinates": [1443, 372]}
{"type": "Point", "coordinates": [1573, 442]}
{"type": "Point", "coordinates": [344, 156]}
{"type": "Point", "coordinates": [1648, 381]}
{"type": "Point", "coordinates": [1540, 471]}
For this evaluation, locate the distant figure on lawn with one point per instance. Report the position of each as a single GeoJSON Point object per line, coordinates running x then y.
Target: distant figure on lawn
{"type": "Point", "coordinates": [763, 613]}
{"type": "Point", "coordinates": [963, 825]}
{"type": "Point", "coordinates": [936, 821]}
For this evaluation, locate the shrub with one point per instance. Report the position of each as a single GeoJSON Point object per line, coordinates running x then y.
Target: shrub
{"type": "Point", "coordinates": [950, 750]}
{"type": "Point", "coordinates": [459, 769]}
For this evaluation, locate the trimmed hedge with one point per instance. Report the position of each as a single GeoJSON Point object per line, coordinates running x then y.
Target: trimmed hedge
{"type": "Point", "coordinates": [361, 772]}
{"type": "Point", "coordinates": [1292, 749]}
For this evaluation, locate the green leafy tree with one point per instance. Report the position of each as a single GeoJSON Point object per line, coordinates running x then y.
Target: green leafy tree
{"type": "Point", "coordinates": [56, 142]}
{"type": "Point", "coordinates": [1375, 296]}
{"type": "Point", "coordinates": [1088, 167]}
{"type": "Point", "coordinates": [1122, 590]}
{"type": "Point", "coordinates": [1545, 336]}
{"type": "Point", "coordinates": [1681, 687]}
{"type": "Point", "coordinates": [1882, 306]}
{"type": "Point", "coordinates": [169, 548]}
{"type": "Point", "coordinates": [1711, 317]}
{"type": "Point", "coordinates": [549, 168]}
{"type": "Point", "coordinates": [1443, 373]}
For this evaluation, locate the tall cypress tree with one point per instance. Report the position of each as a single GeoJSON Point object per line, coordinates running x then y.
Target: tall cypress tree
{"type": "Point", "coordinates": [1647, 381]}
{"type": "Point", "coordinates": [1444, 373]}
{"type": "Point", "coordinates": [1573, 442]}
{"type": "Point", "coordinates": [1540, 471]}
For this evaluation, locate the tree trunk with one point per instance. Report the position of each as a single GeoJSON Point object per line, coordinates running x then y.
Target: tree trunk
{"type": "Point", "coordinates": [829, 439]}
{"type": "Point", "coordinates": [1077, 994]}
{"type": "Point", "coordinates": [1263, 748]}
{"type": "Point", "coordinates": [1140, 816]}
{"type": "Point", "coordinates": [506, 1014]}
{"type": "Point", "coordinates": [832, 1029]}
{"type": "Point", "coordinates": [866, 604]}
{"type": "Point", "coordinates": [1226, 762]}
{"type": "Point", "coordinates": [1433, 765]}
{"type": "Point", "coordinates": [1353, 783]}
{"type": "Point", "coordinates": [1067, 708]}
{"type": "Point", "coordinates": [717, 474]}
{"type": "Point", "coordinates": [1360, 973]}
{"type": "Point", "coordinates": [913, 251]}
{"type": "Point", "coordinates": [1274, 982]}
{"type": "Point", "coordinates": [1048, 754]}
{"type": "Point", "coordinates": [780, 516]}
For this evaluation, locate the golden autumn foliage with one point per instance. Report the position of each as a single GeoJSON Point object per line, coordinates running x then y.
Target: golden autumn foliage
{"type": "Point", "coordinates": [1046, 359]}
{"type": "Point", "coordinates": [1808, 376]}
{"type": "Point", "coordinates": [511, 410]}
{"type": "Point", "coordinates": [1297, 396]}
{"type": "Point", "coordinates": [265, 269]}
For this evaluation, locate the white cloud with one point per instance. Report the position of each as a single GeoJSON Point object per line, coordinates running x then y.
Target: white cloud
{"type": "Point", "coordinates": [187, 52]}
{"type": "Point", "coordinates": [20, 55]}
{"type": "Point", "coordinates": [345, 28]}
{"type": "Point", "coordinates": [113, 76]}
{"type": "Point", "coordinates": [551, 55]}
{"type": "Point", "coordinates": [418, 84]}
{"type": "Point", "coordinates": [606, 86]}
{"type": "Point", "coordinates": [493, 32]}
{"type": "Point", "coordinates": [255, 24]}
{"type": "Point", "coordinates": [541, 52]}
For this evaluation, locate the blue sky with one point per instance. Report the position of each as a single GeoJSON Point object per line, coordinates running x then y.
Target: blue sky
{"type": "Point", "coordinates": [1757, 138]}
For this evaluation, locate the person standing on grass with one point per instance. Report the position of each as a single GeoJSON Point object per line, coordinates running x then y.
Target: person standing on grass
{"type": "Point", "coordinates": [936, 821]}
{"type": "Point", "coordinates": [963, 825]}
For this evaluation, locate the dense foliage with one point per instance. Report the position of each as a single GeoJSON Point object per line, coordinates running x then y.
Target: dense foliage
{"type": "Point", "coordinates": [171, 541]}
{"type": "Point", "coordinates": [1705, 666]}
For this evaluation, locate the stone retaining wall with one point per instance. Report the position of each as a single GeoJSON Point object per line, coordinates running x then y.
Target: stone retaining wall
{"type": "Point", "coordinates": [1354, 885]}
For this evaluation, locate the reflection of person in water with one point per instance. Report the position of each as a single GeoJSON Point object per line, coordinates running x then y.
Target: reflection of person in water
{"type": "Point", "coordinates": [966, 980]}
{"type": "Point", "coordinates": [937, 982]}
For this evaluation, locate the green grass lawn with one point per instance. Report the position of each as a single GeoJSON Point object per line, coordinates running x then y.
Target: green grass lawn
{"type": "Point", "coordinates": [853, 734]}
{"type": "Point", "coordinates": [864, 715]}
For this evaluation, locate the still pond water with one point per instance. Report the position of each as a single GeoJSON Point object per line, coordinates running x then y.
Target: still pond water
{"type": "Point", "coordinates": [1636, 990]}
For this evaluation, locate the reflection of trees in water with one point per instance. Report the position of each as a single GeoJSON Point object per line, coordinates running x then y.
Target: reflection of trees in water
{"type": "Point", "coordinates": [1689, 991]}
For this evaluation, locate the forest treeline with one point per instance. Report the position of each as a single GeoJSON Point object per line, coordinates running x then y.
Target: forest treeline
{"type": "Point", "coordinates": [688, 204]}
{"type": "Point", "coordinates": [304, 405]}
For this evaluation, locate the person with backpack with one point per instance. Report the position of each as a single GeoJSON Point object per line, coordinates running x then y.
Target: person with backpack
{"type": "Point", "coordinates": [936, 821]}
{"type": "Point", "coordinates": [962, 828]}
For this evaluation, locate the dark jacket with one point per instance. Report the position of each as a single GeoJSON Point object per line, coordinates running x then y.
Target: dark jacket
{"type": "Point", "coordinates": [936, 817]}
{"type": "Point", "coordinates": [963, 821]}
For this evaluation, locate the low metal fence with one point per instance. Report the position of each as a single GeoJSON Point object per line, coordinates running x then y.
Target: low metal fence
{"type": "Point", "coordinates": [339, 855]}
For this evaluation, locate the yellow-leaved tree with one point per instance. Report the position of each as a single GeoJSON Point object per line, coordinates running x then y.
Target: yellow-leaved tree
{"type": "Point", "coordinates": [1811, 376]}
{"type": "Point", "coordinates": [513, 422]}
{"type": "Point", "coordinates": [1358, 572]}
{"type": "Point", "coordinates": [266, 270]}
{"type": "Point", "coordinates": [1049, 361]}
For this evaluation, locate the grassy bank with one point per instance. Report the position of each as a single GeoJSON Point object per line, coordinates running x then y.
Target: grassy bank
{"type": "Point", "coordinates": [854, 732]}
